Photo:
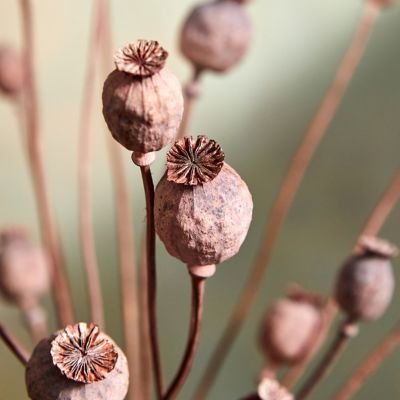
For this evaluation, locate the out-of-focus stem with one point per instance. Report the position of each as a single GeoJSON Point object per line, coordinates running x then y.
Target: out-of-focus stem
{"type": "Point", "coordinates": [198, 286]}
{"type": "Point", "coordinates": [14, 345]}
{"type": "Point", "coordinates": [191, 92]}
{"type": "Point", "coordinates": [49, 230]}
{"type": "Point", "coordinates": [85, 211]}
{"type": "Point", "coordinates": [370, 365]}
{"type": "Point", "coordinates": [35, 319]}
{"type": "Point", "coordinates": [288, 190]}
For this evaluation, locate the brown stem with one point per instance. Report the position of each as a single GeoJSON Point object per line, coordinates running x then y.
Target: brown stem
{"type": "Point", "coordinates": [198, 286]}
{"type": "Point", "coordinates": [35, 319]}
{"type": "Point", "coordinates": [14, 345]}
{"type": "Point", "coordinates": [191, 92]}
{"type": "Point", "coordinates": [48, 224]}
{"type": "Point", "coordinates": [151, 277]}
{"type": "Point", "coordinates": [85, 211]}
{"type": "Point", "coordinates": [288, 190]}
{"type": "Point", "coordinates": [347, 330]}
{"type": "Point", "coordinates": [370, 365]}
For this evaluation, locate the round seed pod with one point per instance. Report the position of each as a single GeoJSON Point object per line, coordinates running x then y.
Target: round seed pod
{"type": "Point", "coordinates": [12, 71]}
{"type": "Point", "coordinates": [216, 35]}
{"type": "Point", "coordinates": [202, 209]}
{"type": "Point", "coordinates": [365, 283]}
{"type": "Point", "coordinates": [270, 389]}
{"type": "Point", "coordinates": [78, 363]}
{"type": "Point", "coordinates": [24, 268]}
{"type": "Point", "coordinates": [142, 100]}
{"type": "Point", "coordinates": [290, 327]}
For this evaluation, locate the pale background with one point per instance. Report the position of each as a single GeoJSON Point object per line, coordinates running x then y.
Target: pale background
{"type": "Point", "coordinates": [258, 113]}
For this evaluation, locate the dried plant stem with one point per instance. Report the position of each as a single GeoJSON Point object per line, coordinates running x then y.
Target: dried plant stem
{"type": "Point", "coordinates": [198, 286]}
{"type": "Point", "coordinates": [35, 319]}
{"type": "Point", "coordinates": [191, 92]}
{"type": "Point", "coordinates": [48, 224]}
{"type": "Point", "coordinates": [345, 332]}
{"type": "Point", "coordinates": [151, 278]}
{"type": "Point", "coordinates": [85, 211]}
{"type": "Point", "coordinates": [370, 365]}
{"type": "Point", "coordinates": [14, 345]}
{"type": "Point", "coordinates": [288, 190]}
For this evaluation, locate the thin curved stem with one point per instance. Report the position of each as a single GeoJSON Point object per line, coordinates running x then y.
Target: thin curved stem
{"type": "Point", "coordinates": [288, 190]}
{"type": "Point", "coordinates": [14, 345]}
{"type": "Point", "coordinates": [49, 230]}
{"type": "Point", "coordinates": [370, 365]}
{"type": "Point", "coordinates": [151, 278]}
{"type": "Point", "coordinates": [198, 286]}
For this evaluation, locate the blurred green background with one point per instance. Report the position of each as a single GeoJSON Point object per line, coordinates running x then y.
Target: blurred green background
{"type": "Point", "coordinates": [258, 113]}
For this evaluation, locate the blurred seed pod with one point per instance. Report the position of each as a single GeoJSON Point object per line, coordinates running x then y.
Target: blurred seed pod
{"type": "Point", "coordinates": [290, 327]}
{"type": "Point", "coordinates": [142, 100]}
{"type": "Point", "coordinates": [12, 71]}
{"type": "Point", "coordinates": [383, 3]}
{"type": "Point", "coordinates": [216, 35]}
{"type": "Point", "coordinates": [203, 208]}
{"type": "Point", "coordinates": [79, 352]}
{"type": "Point", "coordinates": [270, 389]}
{"type": "Point", "coordinates": [24, 268]}
{"type": "Point", "coordinates": [365, 283]}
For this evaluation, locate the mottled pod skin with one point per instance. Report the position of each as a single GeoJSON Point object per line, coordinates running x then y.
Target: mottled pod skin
{"type": "Point", "coordinates": [44, 381]}
{"type": "Point", "coordinates": [216, 35]}
{"type": "Point", "coordinates": [12, 71]}
{"type": "Point", "coordinates": [142, 101]}
{"type": "Point", "coordinates": [365, 284]}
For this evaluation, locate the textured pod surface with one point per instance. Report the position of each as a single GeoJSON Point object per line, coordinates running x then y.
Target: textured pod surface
{"type": "Point", "coordinates": [12, 71]}
{"type": "Point", "coordinates": [288, 330]}
{"type": "Point", "coordinates": [143, 114]}
{"type": "Point", "coordinates": [44, 381]}
{"type": "Point", "coordinates": [216, 35]}
{"type": "Point", "coordinates": [203, 224]}
{"type": "Point", "coordinates": [365, 286]}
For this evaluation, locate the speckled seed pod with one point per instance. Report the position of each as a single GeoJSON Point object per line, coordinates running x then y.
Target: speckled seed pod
{"type": "Point", "coordinates": [78, 363]}
{"type": "Point", "coordinates": [290, 327]}
{"type": "Point", "coordinates": [142, 100]}
{"type": "Point", "coordinates": [12, 71]}
{"type": "Point", "coordinates": [216, 35]}
{"type": "Point", "coordinates": [24, 268]}
{"type": "Point", "coordinates": [202, 208]}
{"type": "Point", "coordinates": [365, 284]}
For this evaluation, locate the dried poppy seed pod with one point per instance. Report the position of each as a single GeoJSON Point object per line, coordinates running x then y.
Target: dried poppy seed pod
{"type": "Point", "coordinates": [216, 35]}
{"type": "Point", "coordinates": [290, 327]}
{"type": "Point", "coordinates": [142, 100]}
{"type": "Point", "coordinates": [365, 284]}
{"type": "Point", "coordinates": [12, 71]}
{"type": "Point", "coordinates": [79, 352]}
{"type": "Point", "coordinates": [202, 207]}
{"type": "Point", "coordinates": [24, 268]}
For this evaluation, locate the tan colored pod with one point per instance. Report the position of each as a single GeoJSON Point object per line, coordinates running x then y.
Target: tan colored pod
{"type": "Point", "coordinates": [12, 71]}
{"type": "Point", "coordinates": [216, 35]}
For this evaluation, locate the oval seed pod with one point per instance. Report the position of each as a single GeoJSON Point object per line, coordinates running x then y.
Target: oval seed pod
{"type": "Point", "coordinates": [24, 268]}
{"type": "Point", "coordinates": [365, 284]}
{"type": "Point", "coordinates": [142, 100]}
{"type": "Point", "coordinates": [78, 363]}
{"type": "Point", "coordinates": [216, 35]}
{"type": "Point", "coordinates": [203, 208]}
{"type": "Point", "coordinates": [290, 327]}
{"type": "Point", "coordinates": [12, 71]}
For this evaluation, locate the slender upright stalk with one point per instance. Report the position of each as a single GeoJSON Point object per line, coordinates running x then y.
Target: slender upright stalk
{"type": "Point", "coordinates": [191, 92]}
{"type": "Point", "coordinates": [288, 190]}
{"type": "Point", "coordinates": [14, 345]}
{"type": "Point", "coordinates": [198, 286]}
{"type": "Point", "coordinates": [151, 277]}
{"type": "Point", "coordinates": [49, 230]}
{"type": "Point", "coordinates": [347, 330]}
{"type": "Point", "coordinates": [85, 211]}
{"type": "Point", "coordinates": [370, 365]}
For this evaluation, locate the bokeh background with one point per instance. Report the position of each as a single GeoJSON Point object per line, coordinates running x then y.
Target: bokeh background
{"type": "Point", "coordinates": [258, 113]}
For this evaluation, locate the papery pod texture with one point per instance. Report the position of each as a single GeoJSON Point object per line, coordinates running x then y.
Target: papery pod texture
{"type": "Point", "coordinates": [143, 114]}
{"type": "Point", "coordinates": [289, 330]}
{"type": "Point", "coordinates": [44, 380]}
{"type": "Point", "coordinates": [216, 35]}
{"type": "Point", "coordinates": [365, 286]}
{"type": "Point", "coordinates": [203, 224]}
